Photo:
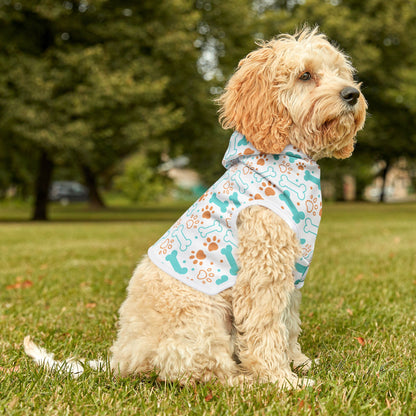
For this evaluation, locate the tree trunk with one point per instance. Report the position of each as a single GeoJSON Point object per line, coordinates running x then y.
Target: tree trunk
{"type": "Point", "coordinates": [95, 199]}
{"type": "Point", "coordinates": [42, 185]}
{"type": "Point", "coordinates": [383, 185]}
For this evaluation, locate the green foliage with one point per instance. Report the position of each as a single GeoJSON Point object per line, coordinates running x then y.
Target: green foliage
{"type": "Point", "coordinates": [78, 92]}
{"type": "Point", "coordinates": [87, 82]}
{"type": "Point", "coordinates": [139, 182]}
{"type": "Point", "coordinates": [223, 36]}
{"type": "Point", "coordinates": [16, 167]}
{"type": "Point", "coordinates": [92, 83]}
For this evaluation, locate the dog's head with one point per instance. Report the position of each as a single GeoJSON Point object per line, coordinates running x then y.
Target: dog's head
{"type": "Point", "coordinates": [296, 90]}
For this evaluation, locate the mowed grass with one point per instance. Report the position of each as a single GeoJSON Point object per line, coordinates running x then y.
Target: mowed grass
{"type": "Point", "coordinates": [63, 282]}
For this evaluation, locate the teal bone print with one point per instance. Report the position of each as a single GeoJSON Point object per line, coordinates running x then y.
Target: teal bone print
{"type": "Point", "coordinates": [222, 205]}
{"type": "Point", "coordinates": [228, 253]}
{"type": "Point", "coordinates": [298, 189]}
{"type": "Point", "coordinates": [172, 258]}
{"type": "Point", "coordinates": [243, 141]}
{"type": "Point", "coordinates": [183, 241]}
{"type": "Point", "coordinates": [269, 173]}
{"type": "Point", "coordinates": [242, 186]}
{"type": "Point", "coordinates": [221, 280]}
{"type": "Point", "coordinates": [300, 268]}
{"type": "Point", "coordinates": [298, 216]}
{"type": "Point", "coordinates": [228, 238]}
{"type": "Point", "coordinates": [309, 177]}
{"type": "Point", "coordinates": [310, 227]}
{"type": "Point", "coordinates": [234, 199]}
{"type": "Point", "coordinates": [215, 227]}
{"type": "Point", "coordinates": [232, 151]}
{"type": "Point", "coordinates": [292, 157]}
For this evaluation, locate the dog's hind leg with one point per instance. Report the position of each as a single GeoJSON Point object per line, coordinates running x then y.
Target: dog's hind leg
{"type": "Point", "coordinates": [197, 350]}
{"type": "Point", "coordinates": [261, 296]}
{"type": "Point", "coordinates": [168, 327]}
{"type": "Point", "coordinates": [300, 360]}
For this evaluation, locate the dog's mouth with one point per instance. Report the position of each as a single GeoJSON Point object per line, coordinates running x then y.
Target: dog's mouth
{"type": "Point", "coordinates": [334, 134]}
{"type": "Point", "coordinates": [338, 136]}
{"type": "Point", "coordinates": [337, 127]}
{"type": "Point", "coordinates": [345, 151]}
{"type": "Point", "coordinates": [328, 125]}
{"type": "Point", "coordinates": [346, 117]}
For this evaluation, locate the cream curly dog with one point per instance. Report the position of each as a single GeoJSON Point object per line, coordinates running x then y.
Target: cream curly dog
{"type": "Point", "coordinates": [225, 306]}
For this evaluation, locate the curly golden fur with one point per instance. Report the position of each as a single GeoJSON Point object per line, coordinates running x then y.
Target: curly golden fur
{"type": "Point", "coordinates": [266, 102]}
{"type": "Point", "coordinates": [289, 91]}
{"type": "Point", "coordinates": [295, 90]}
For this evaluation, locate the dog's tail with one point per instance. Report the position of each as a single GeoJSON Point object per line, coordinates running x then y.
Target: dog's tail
{"type": "Point", "coordinates": [71, 365]}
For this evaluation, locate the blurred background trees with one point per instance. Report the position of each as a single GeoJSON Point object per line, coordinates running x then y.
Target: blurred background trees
{"type": "Point", "coordinates": [88, 90]}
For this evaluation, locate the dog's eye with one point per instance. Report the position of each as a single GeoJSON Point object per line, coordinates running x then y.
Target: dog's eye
{"type": "Point", "coordinates": [306, 76]}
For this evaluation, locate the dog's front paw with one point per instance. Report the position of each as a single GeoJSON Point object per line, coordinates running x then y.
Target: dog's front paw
{"type": "Point", "coordinates": [306, 382]}
{"type": "Point", "coordinates": [303, 364]}
{"type": "Point", "coordinates": [297, 383]}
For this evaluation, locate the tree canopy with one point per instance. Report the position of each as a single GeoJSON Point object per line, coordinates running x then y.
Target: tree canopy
{"type": "Point", "coordinates": [87, 84]}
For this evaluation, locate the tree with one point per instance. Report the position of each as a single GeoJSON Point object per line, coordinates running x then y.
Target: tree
{"type": "Point", "coordinates": [223, 36]}
{"type": "Point", "coordinates": [139, 181]}
{"type": "Point", "coordinates": [97, 82]}
{"type": "Point", "coordinates": [82, 82]}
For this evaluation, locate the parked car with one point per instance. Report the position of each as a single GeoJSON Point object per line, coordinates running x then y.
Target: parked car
{"type": "Point", "coordinates": [68, 191]}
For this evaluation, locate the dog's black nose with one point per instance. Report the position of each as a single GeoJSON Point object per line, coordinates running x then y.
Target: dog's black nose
{"type": "Point", "coordinates": [350, 95]}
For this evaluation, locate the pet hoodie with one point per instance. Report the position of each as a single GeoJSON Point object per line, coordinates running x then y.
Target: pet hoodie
{"type": "Point", "coordinates": [200, 249]}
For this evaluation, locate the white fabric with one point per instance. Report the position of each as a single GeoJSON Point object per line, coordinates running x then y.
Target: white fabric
{"type": "Point", "coordinates": [200, 249]}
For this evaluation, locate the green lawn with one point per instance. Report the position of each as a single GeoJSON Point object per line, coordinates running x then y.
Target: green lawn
{"type": "Point", "coordinates": [62, 282]}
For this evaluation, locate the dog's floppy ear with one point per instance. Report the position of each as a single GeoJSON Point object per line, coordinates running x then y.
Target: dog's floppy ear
{"type": "Point", "coordinates": [250, 103]}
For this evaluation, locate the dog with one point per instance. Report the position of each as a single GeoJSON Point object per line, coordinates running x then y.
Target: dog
{"type": "Point", "coordinates": [217, 297]}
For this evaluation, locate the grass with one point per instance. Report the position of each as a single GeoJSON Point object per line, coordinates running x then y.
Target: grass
{"type": "Point", "coordinates": [62, 282]}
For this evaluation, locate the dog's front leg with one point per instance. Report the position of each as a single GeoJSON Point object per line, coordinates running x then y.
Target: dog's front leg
{"type": "Point", "coordinates": [300, 361]}
{"type": "Point", "coordinates": [268, 249]}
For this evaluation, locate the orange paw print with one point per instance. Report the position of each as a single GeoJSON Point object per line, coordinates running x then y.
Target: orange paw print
{"type": "Point", "coordinates": [306, 250]}
{"type": "Point", "coordinates": [312, 205]}
{"type": "Point", "coordinates": [261, 159]}
{"type": "Point", "coordinates": [165, 246]}
{"type": "Point", "coordinates": [192, 222]}
{"type": "Point", "coordinates": [212, 243]}
{"type": "Point", "coordinates": [254, 197]}
{"type": "Point", "coordinates": [247, 170]}
{"type": "Point", "coordinates": [205, 275]}
{"type": "Point", "coordinates": [204, 196]}
{"type": "Point", "coordinates": [207, 212]}
{"type": "Point", "coordinates": [301, 165]}
{"type": "Point", "coordinates": [227, 187]}
{"type": "Point", "coordinates": [197, 257]}
{"type": "Point", "coordinates": [267, 188]}
{"type": "Point", "coordinates": [285, 167]}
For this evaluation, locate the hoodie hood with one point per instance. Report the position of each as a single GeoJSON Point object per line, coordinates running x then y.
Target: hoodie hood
{"type": "Point", "coordinates": [240, 150]}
